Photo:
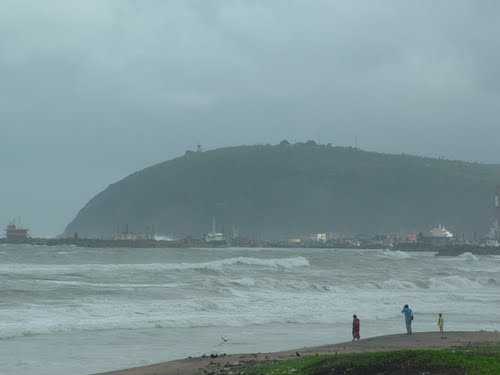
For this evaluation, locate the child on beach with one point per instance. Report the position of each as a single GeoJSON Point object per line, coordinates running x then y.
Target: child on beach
{"type": "Point", "coordinates": [355, 328]}
{"type": "Point", "coordinates": [440, 324]}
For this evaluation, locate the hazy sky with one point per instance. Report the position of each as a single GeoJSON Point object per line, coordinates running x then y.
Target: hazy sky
{"type": "Point", "coordinates": [93, 90]}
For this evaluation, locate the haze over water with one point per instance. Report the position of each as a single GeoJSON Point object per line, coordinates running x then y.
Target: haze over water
{"type": "Point", "coordinates": [72, 310]}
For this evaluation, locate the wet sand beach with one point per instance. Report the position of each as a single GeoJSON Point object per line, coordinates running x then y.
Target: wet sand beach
{"type": "Point", "coordinates": [423, 340]}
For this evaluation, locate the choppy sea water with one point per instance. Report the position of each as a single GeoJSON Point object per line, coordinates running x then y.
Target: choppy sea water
{"type": "Point", "coordinates": [72, 310]}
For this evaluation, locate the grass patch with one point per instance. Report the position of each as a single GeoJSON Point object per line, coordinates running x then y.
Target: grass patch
{"type": "Point", "coordinates": [478, 361]}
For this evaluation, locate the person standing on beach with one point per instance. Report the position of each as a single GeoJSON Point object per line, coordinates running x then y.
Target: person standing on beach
{"type": "Point", "coordinates": [440, 324]}
{"type": "Point", "coordinates": [408, 313]}
{"type": "Point", "coordinates": [355, 328]}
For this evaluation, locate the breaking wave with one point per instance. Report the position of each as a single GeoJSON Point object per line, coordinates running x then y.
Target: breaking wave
{"type": "Point", "coordinates": [395, 254]}
{"type": "Point", "coordinates": [107, 285]}
{"type": "Point", "coordinates": [397, 284]}
{"type": "Point", "coordinates": [469, 257]}
{"type": "Point", "coordinates": [438, 283]}
{"type": "Point", "coordinates": [233, 287]}
{"type": "Point", "coordinates": [453, 282]}
{"type": "Point", "coordinates": [218, 265]}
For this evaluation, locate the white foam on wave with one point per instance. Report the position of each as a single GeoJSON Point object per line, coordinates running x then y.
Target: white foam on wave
{"type": "Point", "coordinates": [108, 285]}
{"type": "Point", "coordinates": [244, 308]}
{"type": "Point", "coordinates": [247, 290]}
{"type": "Point", "coordinates": [397, 284]}
{"type": "Point", "coordinates": [97, 314]}
{"type": "Point", "coordinates": [269, 284]}
{"type": "Point", "coordinates": [395, 254]}
{"type": "Point", "coordinates": [469, 257]}
{"type": "Point", "coordinates": [245, 281]}
{"type": "Point", "coordinates": [453, 283]}
{"type": "Point", "coordinates": [218, 265]}
{"type": "Point", "coordinates": [245, 301]}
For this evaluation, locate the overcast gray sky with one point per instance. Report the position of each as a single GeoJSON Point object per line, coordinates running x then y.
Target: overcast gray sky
{"type": "Point", "coordinates": [93, 90]}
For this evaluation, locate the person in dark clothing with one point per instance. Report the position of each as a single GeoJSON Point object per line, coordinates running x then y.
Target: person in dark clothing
{"type": "Point", "coordinates": [355, 328]}
{"type": "Point", "coordinates": [408, 313]}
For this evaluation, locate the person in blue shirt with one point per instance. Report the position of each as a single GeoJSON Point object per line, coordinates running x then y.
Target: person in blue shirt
{"type": "Point", "coordinates": [408, 313]}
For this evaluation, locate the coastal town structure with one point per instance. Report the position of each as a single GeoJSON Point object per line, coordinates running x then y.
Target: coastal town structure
{"type": "Point", "coordinates": [438, 238]}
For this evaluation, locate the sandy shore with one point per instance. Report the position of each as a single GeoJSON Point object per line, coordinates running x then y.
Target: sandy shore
{"type": "Point", "coordinates": [424, 340]}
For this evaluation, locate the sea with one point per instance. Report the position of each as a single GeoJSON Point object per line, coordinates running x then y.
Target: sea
{"type": "Point", "coordinates": [70, 310]}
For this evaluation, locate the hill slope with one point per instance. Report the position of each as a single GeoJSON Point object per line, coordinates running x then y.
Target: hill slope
{"type": "Point", "coordinates": [282, 190]}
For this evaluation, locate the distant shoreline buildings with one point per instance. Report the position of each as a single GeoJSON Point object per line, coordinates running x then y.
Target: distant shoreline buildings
{"type": "Point", "coordinates": [437, 237]}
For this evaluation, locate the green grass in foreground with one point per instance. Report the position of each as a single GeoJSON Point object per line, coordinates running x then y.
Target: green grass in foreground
{"type": "Point", "coordinates": [479, 361]}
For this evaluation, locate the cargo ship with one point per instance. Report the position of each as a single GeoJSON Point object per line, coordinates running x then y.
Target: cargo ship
{"type": "Point", "coordinates": [13, 233]}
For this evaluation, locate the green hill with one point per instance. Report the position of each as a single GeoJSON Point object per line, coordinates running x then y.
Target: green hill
{"type": "Point", "coordinates": [283, 190]}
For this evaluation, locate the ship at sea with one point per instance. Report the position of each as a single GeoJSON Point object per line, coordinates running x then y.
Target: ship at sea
{"type": "Point", "coordinates": [215, 238]}
{"type": "Point", "coordinates": [14, 233]}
